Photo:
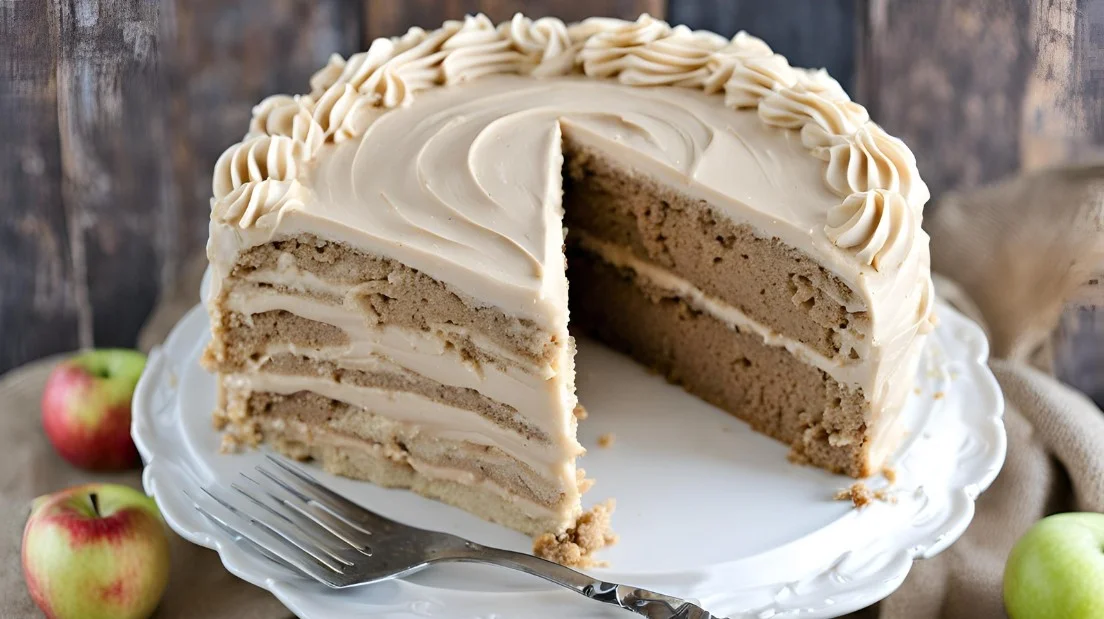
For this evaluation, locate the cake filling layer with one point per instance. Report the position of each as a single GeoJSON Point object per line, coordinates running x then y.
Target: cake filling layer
{"type": "Point", "coordinates": [380, 373]}
{"type": "Point", "coordinates": [448, 355]}
{"type": "Point", "coordinates": [825, 422]}
{"type": "Point", "coordinates": [432, 417]}
{"type": "Point", "coordinates": [386, 291]}
{"type": "Point", "coordinates": [363, 446]}
{"type": "Point", "coordinates": [320, 413]}
{"type": "Point", "coordinates": [347, 314]}
{"type": "Point", "coordinates": [862, 377]}
{"type": "Point", "coordinates": [308, 436]}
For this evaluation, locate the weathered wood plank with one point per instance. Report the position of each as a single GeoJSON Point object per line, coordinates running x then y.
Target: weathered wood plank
{"type": "Point", "coordinates": [810, 34]}
{"type": "Point", "coordinates": [227, 57]}
{"type": "Point", "coordinates": [115, 173]}
{"type": "Point", "coordinates": [949, 77]}
{"type": "Point", "coordinates": [1078, 344]}
{"type": "Point", "coordinates": [390, 17]}
{"type": "Point", "coordinates": [38, 313]}
{"type": "Point", "coordinates": [1068, 84]}
{"type": "Point", "coordinates": [981, 89]}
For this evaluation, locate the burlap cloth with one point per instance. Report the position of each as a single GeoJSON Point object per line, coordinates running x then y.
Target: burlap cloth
{"type": "Point", "coordinates": [1018, 250]}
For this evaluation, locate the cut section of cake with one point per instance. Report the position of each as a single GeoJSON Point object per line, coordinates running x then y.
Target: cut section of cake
{"type": "Point", "coordinates": [390, 258]}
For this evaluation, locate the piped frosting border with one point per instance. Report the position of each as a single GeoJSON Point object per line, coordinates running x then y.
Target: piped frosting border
{"type": "Point", "coordinates": [864, 164]}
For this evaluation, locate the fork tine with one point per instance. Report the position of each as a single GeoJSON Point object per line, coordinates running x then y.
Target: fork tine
{"type": "Point", "coordinates": [278, 531]}
{"type": "Point", "coordinates": [294, 520]}
{"type": "Point", "coordinates": [284, 553]}
{"type": "Point", "coordinates": [234, 533]}
{"type": "Point", "coordinates": [315, 507]}
{"type": "Point", "coordinates": [308, 489]}
{"type": "Point", "coordinates": [317, 516]}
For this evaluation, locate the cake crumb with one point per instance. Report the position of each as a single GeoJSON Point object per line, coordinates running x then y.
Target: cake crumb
{"type": "Point", "coordinates": [229, 444]}
{"type": "Point", "coordinates": [580, 412]}
{"type": "Point", "coordinates": [938, 395]}
{"type": "Point", "coordinates": [582, 482]}
{"type": "Point", "coordinates": [606, 440]}
{"type": "Point", "coordinates": [575, 546]}
{"type": "Point", "coordinates": [884, 495]}
{"type": "Point", "coordinates": [916, 390]}
{"type": "Point", "coordinates": [797, 457]}
{"type": "Point", "coordinates": [890, 474]}
{"type": "Point", "coordinates": [859, 495]}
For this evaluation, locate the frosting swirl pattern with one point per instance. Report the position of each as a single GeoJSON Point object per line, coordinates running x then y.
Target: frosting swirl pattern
{"type": "Point", "coordinates": [744, 45]}
{"type": "Point", "coordinates": [818, 81]}
{"type": "Point", "coordinates": [478, 49]}
{"type": "Point", "coordinates": [544, 44]}
{"type": "Point", "coordinates": [648, 52]}
{"type": "Point", "coordinates": [288, 116]}
{"type": "Point", "coordinates": [391, 71]}
{"type": "Point", "coordinates": [260, 204]}
{"type": "Point", "coordinates": [876, 225]}
{"type": "Point", "coordinates": [753, 79]}
{"type": "Point", "coordinates": [328, 75]}
{"type": "Point", "coordinates": [869, 159]}
{"type": "Point", "coordinates": [793, 108]}
{"type": "Point", "coordinates": [257, 159]}
{"type": "Point", "coordinates": [609, 44]}
{"type": "Point", "coordinates": [741, 47]}
{"type": "Point", "coordinates": [680, 59]}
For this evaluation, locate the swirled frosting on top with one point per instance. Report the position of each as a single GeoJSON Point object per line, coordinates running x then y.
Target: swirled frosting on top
{"type": "Point", "coordinates": [442, 149]}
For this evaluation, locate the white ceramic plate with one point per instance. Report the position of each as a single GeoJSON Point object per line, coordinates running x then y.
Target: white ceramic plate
{"type": "Point", "coordinates": [706, 508]}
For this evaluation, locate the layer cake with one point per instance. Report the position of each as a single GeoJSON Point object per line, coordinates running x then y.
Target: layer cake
{"type": "Point", "coordinates": [391, 255]}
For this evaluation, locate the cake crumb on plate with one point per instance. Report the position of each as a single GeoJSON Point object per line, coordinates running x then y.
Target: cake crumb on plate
{"type": "Point", "coordinates": [861, 495]}
{"type": "Point", "coordinates": [575, 546]}
{"type": "Point", "coordinates": [606, 440]}
{"type": "Point", "coordinates": [890, 474]}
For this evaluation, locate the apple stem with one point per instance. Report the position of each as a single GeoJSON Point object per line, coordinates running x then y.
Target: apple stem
{"type": "Point", "coordinates": [95, 504]}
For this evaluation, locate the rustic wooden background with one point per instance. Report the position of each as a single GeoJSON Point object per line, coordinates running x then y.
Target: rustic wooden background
{"type": "Point", "coordinates": [112, 113]}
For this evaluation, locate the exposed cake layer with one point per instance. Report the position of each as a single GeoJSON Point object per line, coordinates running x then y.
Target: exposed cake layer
{"type": "Point", "coordinates": [385, 291]}
{"type": "Point", "coordinates": [669, 229]}
{"type": "Point", "coordinates": [773, 283]}
{"type": "Point", "coordinates": [826, 423]}
{"type": "Point", "coordinates": [382, 375]}
{"type": "Point", "coordinates": [246, 341]}
{"type": "Point", "coordinates": [350, 441]}
{"type": "Point", "coordinates": [348, 346]}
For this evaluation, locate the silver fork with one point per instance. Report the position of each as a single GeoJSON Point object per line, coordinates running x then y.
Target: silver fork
{"type": "Point", "coordinates": [294, 520]}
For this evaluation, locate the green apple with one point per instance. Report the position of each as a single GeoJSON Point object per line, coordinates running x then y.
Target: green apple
{"type": "Point", "coordinates": [96, 551]}
{"type": "Point", "coordinates": [86, 408]}
{"type": "Point", "coordinates": [1056, 570]}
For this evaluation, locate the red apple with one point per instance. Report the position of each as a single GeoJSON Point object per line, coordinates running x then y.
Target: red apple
{"type": "Point", "coordinates": [96, 551]}
{"type": "Point", "coordinates": [86, 408]}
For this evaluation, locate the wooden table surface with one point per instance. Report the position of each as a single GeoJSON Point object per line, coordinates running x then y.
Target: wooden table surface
{"type": "Point", "coordinates": [113, 112]}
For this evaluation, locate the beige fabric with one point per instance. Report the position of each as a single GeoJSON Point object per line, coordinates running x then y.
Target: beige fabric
{"type": "Point", "coordinates": [1019, 250]}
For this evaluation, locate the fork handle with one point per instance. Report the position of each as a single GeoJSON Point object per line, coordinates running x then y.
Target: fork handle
{"type": "Point", "coordinates": [640, 601]}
